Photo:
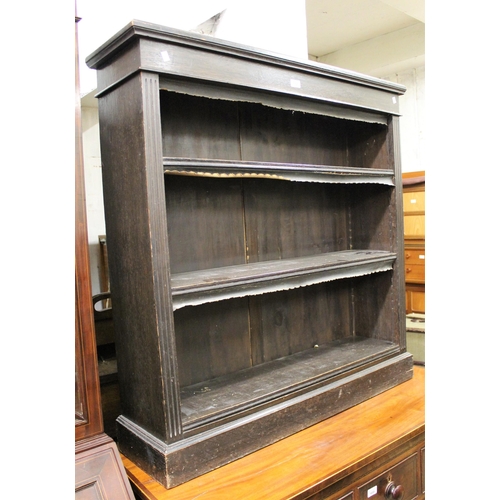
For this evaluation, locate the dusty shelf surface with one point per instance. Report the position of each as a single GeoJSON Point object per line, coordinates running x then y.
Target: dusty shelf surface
{"type": "Point", "coordinates": [229, 394]}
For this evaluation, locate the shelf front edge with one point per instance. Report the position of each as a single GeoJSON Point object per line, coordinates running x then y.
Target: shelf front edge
{"type": "Point", "coordinates": [278, 171]}
{"type": "Point", "coordinates": [191, 289]}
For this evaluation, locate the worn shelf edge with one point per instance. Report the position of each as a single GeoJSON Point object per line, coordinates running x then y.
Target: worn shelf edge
{"type": "Point", "coordinates": [211, 285]}
{"type": "Point", "coordinates": [281, 171]}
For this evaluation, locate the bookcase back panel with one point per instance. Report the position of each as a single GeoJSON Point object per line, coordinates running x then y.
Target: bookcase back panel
{"type": "Point", "coordinates": [284, 136]}
{"type": "Point", "coordinates": [205, 222]}
{"type": "Point", "coordinates": [294, 219]}
{"type": "Point", "coordinates": [295, 320]}
{"type": "Point", "coordinates": [221, 222]}
{"type": "Point", "coordinates": [196, 127]}
{"type": "Point", "coordinates": [224, 337]}
{"type": "Point", "coordinates": [193, 127]}
{"type": "Point", "coordinates": [212, 340]}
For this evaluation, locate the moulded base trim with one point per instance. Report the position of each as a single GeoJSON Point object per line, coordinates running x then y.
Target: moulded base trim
{"type": "Point", "coordinates": [175, 463]}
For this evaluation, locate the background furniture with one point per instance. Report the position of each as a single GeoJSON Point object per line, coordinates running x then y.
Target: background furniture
{"type": "Point", "coordinates": [99, 472]}
{"type": "Point", "coordinates": [254, 229]}
{"type": "Point", "coordinates": [353, 455]}
{"type": "Point", "coordinates": [414, 234]}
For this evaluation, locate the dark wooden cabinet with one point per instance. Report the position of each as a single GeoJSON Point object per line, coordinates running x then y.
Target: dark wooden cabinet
{"type": "Point", "coordinates": [255, 243]}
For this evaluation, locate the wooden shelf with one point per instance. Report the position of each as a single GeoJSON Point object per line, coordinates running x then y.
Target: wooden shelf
{"type": "Point", "coordinates": [273, 170]}
{"type": "Point", "coordinates": [200, 287]}
{"type": "Point", "coordinates": [287, 376]}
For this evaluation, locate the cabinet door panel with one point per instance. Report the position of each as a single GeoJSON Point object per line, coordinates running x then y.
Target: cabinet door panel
{"type": "Point", "coordinates": [99, 475]}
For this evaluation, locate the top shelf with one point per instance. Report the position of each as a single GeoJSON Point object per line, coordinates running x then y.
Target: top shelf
{"type": "Point", "coordinates": [283, 171]}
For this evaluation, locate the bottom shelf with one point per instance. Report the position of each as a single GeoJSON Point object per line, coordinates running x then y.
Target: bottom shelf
{"type": "Point", "coordinates": [326, 458]}
{"type": "Point", "coordinates": [224, 396]}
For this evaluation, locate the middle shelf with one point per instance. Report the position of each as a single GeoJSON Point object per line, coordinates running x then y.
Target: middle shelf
{"type": "Point", "coordinates": [210, 285]}
{"type": "Point", "coordinates": [273, 170]}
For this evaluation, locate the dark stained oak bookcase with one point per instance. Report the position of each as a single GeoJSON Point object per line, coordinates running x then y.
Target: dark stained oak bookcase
{"type": "Point", "coordinates": [255, 242]}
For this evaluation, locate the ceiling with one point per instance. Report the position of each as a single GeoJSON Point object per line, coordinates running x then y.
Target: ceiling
{"type": "Point", "coordinates": [336, 24]}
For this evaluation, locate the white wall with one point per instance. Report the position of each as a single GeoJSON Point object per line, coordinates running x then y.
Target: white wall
{"type": "Point", "coordinates": [93, 185]}
{"type": "Point", "coordinates": [274, 25]}
{"type": "Point", "coordinates": [412, 109]}
{"type": "Point", "coordinates": [383, 55]}
{"type": "Point", "coordinates": [278, 26]}
{"type": "Point", "coordinates": [398, 57]}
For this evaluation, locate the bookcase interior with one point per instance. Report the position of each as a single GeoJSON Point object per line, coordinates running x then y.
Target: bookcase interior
{"type": "Point", "coordinates": [239, 353]}
{"type": "Point", "coordinates": [198, 127]}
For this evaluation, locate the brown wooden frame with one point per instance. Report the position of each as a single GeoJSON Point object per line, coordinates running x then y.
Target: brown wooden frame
{"type": "Point", "coordinates": [99, 471]}
{"type": "Point", "coordinates": [88, 422]}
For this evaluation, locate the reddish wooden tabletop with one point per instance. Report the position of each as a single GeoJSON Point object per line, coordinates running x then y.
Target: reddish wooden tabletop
{"type": "Point", "coordinates": [317, 455]}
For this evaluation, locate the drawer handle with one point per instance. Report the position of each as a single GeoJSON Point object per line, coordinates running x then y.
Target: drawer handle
{"type": "Point", "coordinates": [394, 492]}
{"type": "Point", "coordinates": [408, 269]}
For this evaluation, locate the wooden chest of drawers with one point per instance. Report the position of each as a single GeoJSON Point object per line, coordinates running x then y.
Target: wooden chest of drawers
{"type": "Point", "coordinates": [401, 477]}
{"type": "Point", "coordinates": [414, 240]}
{"type": "Point", "coordinates": [415, 265]}
{"type": "Point", "coordinates": [375, 447]}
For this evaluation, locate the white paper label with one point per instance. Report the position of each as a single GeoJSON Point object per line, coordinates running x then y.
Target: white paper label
{"type": "Point", "coordinates": [413, 201]}
{"type": "Point", "coordinates": [295, 84]}
{"type": "Point", "coordinates": [393, 100]}
{"type": "Point", "coordinates": [372, 491]}
{"type": "Point", "coordinates": [165, 56]}
{"type": "Point", "coordinates": [421, 257]}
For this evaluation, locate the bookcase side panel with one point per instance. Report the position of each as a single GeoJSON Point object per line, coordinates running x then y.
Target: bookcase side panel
{"type": "Point", "coordinates": [138, 255]}
{"type": "Point", "coordinates": [373, 307]}
{"type": "Point", "coordinates": [373, 217]}
{"type": "Point", "coordinates": [376, 224]}
{"type": "Point", "coordinates": [369, 145]}
{"type": "Point", "coordinates": [399, 270]}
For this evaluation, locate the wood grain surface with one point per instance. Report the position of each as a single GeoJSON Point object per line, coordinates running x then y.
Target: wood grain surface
{"type": "Point", "coordinates": [310, 460]}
